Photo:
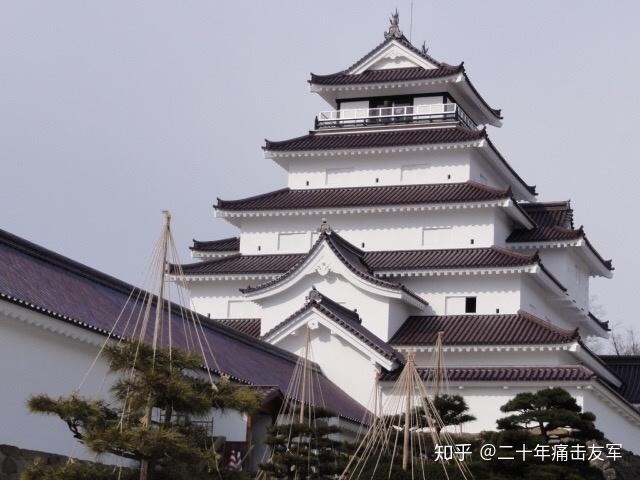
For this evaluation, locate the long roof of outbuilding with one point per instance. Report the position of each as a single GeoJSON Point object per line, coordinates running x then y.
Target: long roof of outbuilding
{"type": "Point", "coordinates": [43, 281]}
{"type": "Point", "coordinates": [506, 329]}
{"type": "Point", "coordinates": [346, 197]}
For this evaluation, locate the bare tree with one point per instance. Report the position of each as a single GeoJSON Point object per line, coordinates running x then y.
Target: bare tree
{"type": "Point", "coordinates": [624, 340]}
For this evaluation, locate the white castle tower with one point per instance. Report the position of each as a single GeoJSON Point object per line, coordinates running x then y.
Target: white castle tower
{"type": "Point", "coordinates": [401, 219]}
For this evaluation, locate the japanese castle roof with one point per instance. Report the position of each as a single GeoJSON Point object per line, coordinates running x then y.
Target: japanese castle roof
{"type": "Point", "coordinates": [373, 262]}
{"type": "Point", "coordinates": [376, 139]}
{"type": "Point", "coordinates": [511, 329]}
{"type": "Point", "coordinates": [554, 223]}
{"type": "Point", "coordinates": [230, 244]}
{"type": "Point", "coordinates": [351, 256]}
{"type": "Point", "coordinates": [248, 326]}
{"type": "Point", "coordinates": [442, 70]}
{"type": "Point", "coordinates": [627, 368]}
{"type": "Point", "coordinates": [346, 318]}
{"type": "Point", "coordinates": [43, 281]}
{"type": "Point", "coordinates": [345, 197]}
{"type": "Point", "coordinates": [505, 374]}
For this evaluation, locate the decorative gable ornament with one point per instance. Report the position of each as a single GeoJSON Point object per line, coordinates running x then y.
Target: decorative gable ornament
{"type": "Point", "coordinates": [394, 27]}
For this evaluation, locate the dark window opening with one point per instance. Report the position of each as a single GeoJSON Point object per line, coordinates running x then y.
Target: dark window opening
{"type": "Point", "coordinates": [377, 180]}
{"type": "Point", "coordinates": [307, 182]}
{"type": "Point", "coordinates": [472, 241]}
{"type": "Point", "coordinates": [497, 310]}
{"type": "Point", "coordinates": [470, 305]}
{"type": "Point", "coordinates": [449, 177]}
{"type": "Point", "coordinates": [362, 244]}
{"type": "Point", "coordinates": [259, 248]}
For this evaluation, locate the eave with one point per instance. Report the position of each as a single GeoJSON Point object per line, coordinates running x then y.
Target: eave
{"type": "Point", "coordinates": [279, 333]}
{"type": "Point", "coordinates": [511, 209]}
{"type": "Point", "coordinates": [462, 89]}
{"type": "Point", "coordinates": [598, 266]}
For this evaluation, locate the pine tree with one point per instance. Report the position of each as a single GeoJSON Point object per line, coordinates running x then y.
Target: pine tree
{"type": "Point", "coordinates": [547, 410]}
{"type": "Point", "coordinates": [304, 450]}
{"type": "Point", "coordinates": [154, 399]}
{"type": "Point", "coordinates": [452, 410]}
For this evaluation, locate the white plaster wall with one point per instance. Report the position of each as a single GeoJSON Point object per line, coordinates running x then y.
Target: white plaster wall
{"type": "Point", "coordinates": [441, 166]}
{"type": "Point", "coordinates": [379, 231]}
{"type": "Point", "coordinates": [493, 292]}
{"type": "Point", "coordinates": [373, 309]}
{"type": "Point", "coordinates": [483, 172]}
{"type": "Point", "coordinates": [570, 270]}
{"type": "Point", "coordinates": [609, 419]}
{"type": "Point", "coordinates": [435, 99]}
{"type": "Point", "coordinates": [345, 366]}
{"type": "Point", "coordinates": [232, 423]}
{"type": "Point", "coordinates": [545, 357]}
{"type": "Point", "coordinates": [544, 305]}
{"type": "Point", "coordinates": [485, 399]}
{"type": "Point", "coordinates": [222, 299]}
{"type": "Point", "coordinates": [34, 360]}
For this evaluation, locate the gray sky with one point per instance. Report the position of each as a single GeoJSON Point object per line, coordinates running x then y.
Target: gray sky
{"type": "Point", "coordinates": [112, 111]}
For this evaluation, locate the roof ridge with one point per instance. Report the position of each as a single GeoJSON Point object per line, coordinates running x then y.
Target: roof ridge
{"type": "Point", "coordinates": [61, 261]}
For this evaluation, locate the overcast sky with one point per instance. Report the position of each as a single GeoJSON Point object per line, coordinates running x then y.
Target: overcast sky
{"type": "Point", "coordinates": [112, 111]}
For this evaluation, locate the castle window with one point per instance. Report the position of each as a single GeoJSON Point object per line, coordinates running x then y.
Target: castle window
{"type": "Point", "coordinates": [470, 305]}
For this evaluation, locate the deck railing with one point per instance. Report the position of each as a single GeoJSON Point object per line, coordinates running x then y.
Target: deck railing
{"type": "Point", "coordinates": [428, 113]}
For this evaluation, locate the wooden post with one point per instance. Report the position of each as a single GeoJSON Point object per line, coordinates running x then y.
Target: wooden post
{"type": "Point", "coordinates": [304, 376]}
{"type": "Point", "coordinates": [144, 464]}
{"type": "Point", "coordinates": [407, 413]}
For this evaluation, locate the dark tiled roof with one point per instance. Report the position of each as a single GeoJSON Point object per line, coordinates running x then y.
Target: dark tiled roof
{"type": "Point", "coordinates": [386, 75]}
{"type": "Point", "coordinates": [520, 329]}
{"type": "Point", "coordinates": [627, 368]}
{"type": "Point", "coordinates": [395, 138]}
{"type": "Point", "coordinates": [442, 70]}
{"type": "Point", "coordinates": [446, 259]}
{"type": "Point", "coordinates": [351, 257]}
{"type": "Point", "coordinates": [242, 264]}
{"type": "Point", "coordinates": [601, 323]}
{"type": "Point", "coordinates": [367, 263]}
{"type": "Point", "coordinates": [41, 280]}
{"type": "Point", "coordinates": [248, 326]}
{"type": "Point", "coordinates": [505, 374]}
{"type": "Point", "coordinates": [554, 222]}
{"type": "Point", "coordinates": [288, 199]}
{"type": "Point", "coordinates": [348, 319]}
{"type": "Point", "coordinates": [231, 244]}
